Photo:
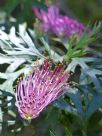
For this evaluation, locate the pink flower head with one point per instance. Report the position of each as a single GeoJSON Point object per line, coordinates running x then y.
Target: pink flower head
{"type": "Point", "coordinates": [53, 21]}
{"type": "Point", "coordinates": [39, 89]}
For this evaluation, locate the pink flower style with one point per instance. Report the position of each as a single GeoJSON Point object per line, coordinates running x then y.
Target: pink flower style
{"type": "Point", "coordinates": [39, 89]}
{"type": "Point", "coordinates": [60, 25]}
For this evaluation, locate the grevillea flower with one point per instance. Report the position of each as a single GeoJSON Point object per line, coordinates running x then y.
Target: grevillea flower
{"type": "Point", "coordinates": [53, 21]}
{"type": "Point", "coordinates": [39, 89]}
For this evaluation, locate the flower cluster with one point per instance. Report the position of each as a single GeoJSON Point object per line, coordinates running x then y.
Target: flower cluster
{"type": "Point", "coordinates": [53, 21]}
{"type": "Point", "coordinates": [43, 86]}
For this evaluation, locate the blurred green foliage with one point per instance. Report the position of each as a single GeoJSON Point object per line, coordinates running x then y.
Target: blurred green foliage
{"type": "Point", "coordinates": [86, 10]}
{"type": "Point", "coordinates": [21, 10]}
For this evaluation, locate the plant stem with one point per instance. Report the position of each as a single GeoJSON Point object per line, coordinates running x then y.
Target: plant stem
{"type": "Point", "coordinates": [84, 129]}
{"type": "Point", "coordinates": [84, 133]}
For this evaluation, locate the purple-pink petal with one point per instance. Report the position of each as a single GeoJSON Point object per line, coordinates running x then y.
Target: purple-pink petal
{"type": "Point", "coordinates": [53, 21]}
{"type": "Point", "coordinates": [43, 86]}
